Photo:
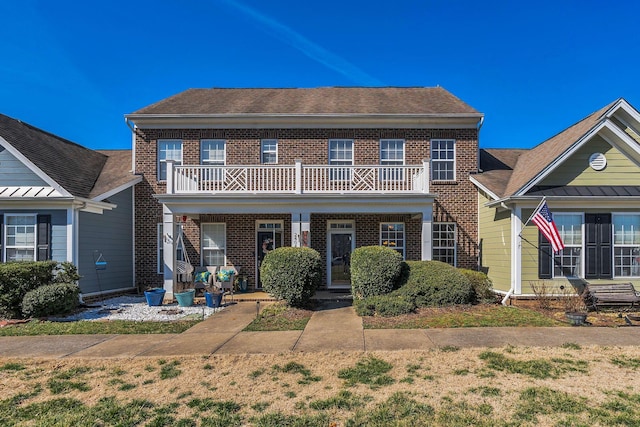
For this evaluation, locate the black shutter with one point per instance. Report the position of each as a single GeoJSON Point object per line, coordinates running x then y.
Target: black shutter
{"type": "Point", "coordinates": [545, 258]}
{"type": "Point", "coordinates": [591, 246]}
{"type": "Point", "coordinates": [604, 229]}
{"type": "Point", "coordinates": [44, 237]}
{"type": "Point", "coordinates": [1, 237]}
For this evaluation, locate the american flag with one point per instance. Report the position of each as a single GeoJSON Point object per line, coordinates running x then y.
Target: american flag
{"type": "Point", "coordinates": [543, 219]}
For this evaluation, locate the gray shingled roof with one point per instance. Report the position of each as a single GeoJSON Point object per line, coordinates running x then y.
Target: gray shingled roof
{"type": "Point", "coordinates": [325, 100]}
{"type": "Point", "coordinates": [74, 167]}
{"type": "Point", "coordinates": [508, 180]}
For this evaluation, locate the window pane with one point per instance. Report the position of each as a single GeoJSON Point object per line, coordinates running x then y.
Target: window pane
{"type": "Point", "coordinates": [626, 229]}
{"type": "Point", "coordinates": [570, 228]}
{"type": "Point", "coordinates": [212, 151]}
{"type": "Point", "coordinates": [213, 236]}
{"type": "Point", "coordinates": [392, 236]}
{"type": "Point", "coordinates": [168, 150]}
{"type": "Point", "coordinates": [213, 256]}
{"type": "Point", "coordinates": [444, 242]}
{"type": "Point", "coordinates": [442, 159]}
{"type": "Point", "coordinates": [269, 149]}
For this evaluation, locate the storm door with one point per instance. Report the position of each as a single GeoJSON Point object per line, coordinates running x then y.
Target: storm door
{"type": "Point", "coordinates": [268, 237]}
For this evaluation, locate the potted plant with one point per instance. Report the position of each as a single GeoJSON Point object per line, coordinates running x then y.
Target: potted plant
{"type": "Point", "coordinates": [213, 298]}
{"type": "Point", "coordinates": [575, 309]}
{"type": "Point", "coordinates": [242, 283]}
{"type": "Point", "coordinates": [185, 298]}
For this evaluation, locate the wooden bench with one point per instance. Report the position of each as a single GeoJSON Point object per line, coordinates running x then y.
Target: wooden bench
{"type": "Point", "coordinates": [612, 294]}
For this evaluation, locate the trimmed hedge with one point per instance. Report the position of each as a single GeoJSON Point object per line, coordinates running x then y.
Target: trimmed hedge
{"type": "Point", "coordinates": [482, 285]}
{"type": "Point", "coordinates": [18, 278]}
{"type": "Point", "coordinates": [49, 300]}
{"type": "Point", "coordinates": [434, 283]}
{"type": "Point", "coordinates": [375, 270]}
{"type": "Point", "coordinates": [291, 274]}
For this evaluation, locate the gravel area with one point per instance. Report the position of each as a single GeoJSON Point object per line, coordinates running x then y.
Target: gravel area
{"type": "Point", "coordinates": [136, 308]}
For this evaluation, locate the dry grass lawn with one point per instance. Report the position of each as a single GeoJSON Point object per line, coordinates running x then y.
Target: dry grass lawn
{"type": "Point", "coordinates": [515, 386]}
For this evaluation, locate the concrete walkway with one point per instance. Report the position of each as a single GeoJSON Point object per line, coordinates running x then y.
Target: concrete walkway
{"type": "Point", "coordinates": [335, 327]}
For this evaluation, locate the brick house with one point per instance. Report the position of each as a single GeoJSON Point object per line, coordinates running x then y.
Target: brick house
{"type": "Point", "coordinates": [229, 174]}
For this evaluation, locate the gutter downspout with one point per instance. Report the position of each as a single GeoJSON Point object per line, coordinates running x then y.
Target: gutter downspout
{"type": "Point", "coordinates": [133, 144]}
{"type": "Point", "coordinates": [479, 126]}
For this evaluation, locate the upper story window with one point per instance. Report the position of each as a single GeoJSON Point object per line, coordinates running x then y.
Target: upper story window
{"type": "Point", "coordinates": [20, 237]}
{"type": "Point", "coordinates": [340, 154]}
{"type": "Point", "coordinates": [391, 154]}
{"type": "Point", "coordinates": [269, 151]}
{"type": "Point", "coordinates": [168, 149]}
{"type": "Point", "coordinates": [212, 152]}
{"type": "Point", "coordinates": [443, 160]}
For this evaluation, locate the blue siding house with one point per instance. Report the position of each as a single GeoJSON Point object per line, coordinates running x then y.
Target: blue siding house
{"type": "Point", "coordinates": [64, 202]}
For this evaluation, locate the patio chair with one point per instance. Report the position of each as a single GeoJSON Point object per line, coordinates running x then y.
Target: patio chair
{"type": "Point", "coordinates": [224, 279]}
{"type": "Point", "coordinates": [204, 277]}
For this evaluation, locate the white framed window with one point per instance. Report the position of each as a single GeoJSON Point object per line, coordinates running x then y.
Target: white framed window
{"type": "Point", "coordinates": [568, 262]}
{"type": "Point", "coordinates": [214, 244]}
{"type": "Point", "coordinates": [269, 151]}
{"type": "Point", "coordinates": [391, 154]}
{"type": "Point", "coordinates": [213, 152]}
{"type": "Point", "coordinates": [168, 149]}
{"type": "Point", "coordinates": [443, 159]}
{"type": "Point", "coordinates": [20, 237]}
{"type": "Point", "coordinates": [626, 245]}
{"type": "Point", "coordinates": [392, 236]}
{"type": "Point", "coordinates": [444, 242]}
{"type": "Point", "coordinates": [340, 154]}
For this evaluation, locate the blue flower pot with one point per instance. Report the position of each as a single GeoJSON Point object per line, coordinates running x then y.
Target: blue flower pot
{"type": "Point", "coordinates": [154, 296]}
{"type": "Point", "coordinates": [213, 300]}
{"type": "Point", "coordinates": [185, 299]}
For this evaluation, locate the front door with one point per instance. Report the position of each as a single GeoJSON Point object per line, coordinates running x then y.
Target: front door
{"type": "Point", "coordinates": [340, 244]}
{"type": "Point", "coordinates": [268, 237]}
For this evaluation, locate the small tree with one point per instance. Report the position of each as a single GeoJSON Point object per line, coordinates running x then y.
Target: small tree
{"type": "Point", "coordinates": [291, 274]}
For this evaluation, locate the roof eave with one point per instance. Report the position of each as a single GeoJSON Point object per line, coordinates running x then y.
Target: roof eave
{"type": "Point", "coordinates": [465, 120]}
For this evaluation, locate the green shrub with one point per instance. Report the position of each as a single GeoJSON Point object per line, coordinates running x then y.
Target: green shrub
{"type": "Point", "coordinates": [375, 270]}
{"type": "Point", "coordinates": [18, 278]}
{"type": "Point", "coordinates": [291, 274]}
{"type": "Point", "coordinates": [482, 286]}
{"type": "Point", "coordinates": [384, 305]}
{"type": "Point", "coordinates": [66, 272]}
{"type": "Point", "coordinates": [434, 283]}
{"type": "Point", "coordinates": [49, 300]}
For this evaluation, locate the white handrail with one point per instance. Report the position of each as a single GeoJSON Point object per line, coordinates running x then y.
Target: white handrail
{"type": "Point", "coordinates": [299, 179]}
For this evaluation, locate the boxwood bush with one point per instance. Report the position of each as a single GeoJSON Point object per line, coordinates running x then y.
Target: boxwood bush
{"type": "Point", "coordinates": [434, 283]}
{"type": "Point", "coordinates": [375, 270]}
{"type": "Point", "coordinates": [482, 285]}
{"type": "Point", "coordinates": [291, 274]}
{"type": "Point", "coordinates": [18, 278]}
{"type": "Point", "coordinates": [49, 300]}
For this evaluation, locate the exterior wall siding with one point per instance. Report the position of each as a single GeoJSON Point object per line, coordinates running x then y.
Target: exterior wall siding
{"type": "Point", "coordinates": [456, 201]}
{"type": "Point", "coordinates": [495, 238]}
{"type": "Point", "coordinates": [108, 234]}
{"type": "Point", "coordinates": [576, 171]}
{"type": "Point", "coordinates": [14, 173]}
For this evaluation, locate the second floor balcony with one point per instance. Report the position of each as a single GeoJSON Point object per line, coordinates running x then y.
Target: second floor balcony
{"type": "Point", "coordinates": [298, 179]}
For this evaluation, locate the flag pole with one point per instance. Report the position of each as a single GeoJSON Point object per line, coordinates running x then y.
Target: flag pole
{"type": "Point", "coordinates": [544, 198]}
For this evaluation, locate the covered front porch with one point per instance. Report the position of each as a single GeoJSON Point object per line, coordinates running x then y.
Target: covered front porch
{"type": "Point", "coordinates": [239, 231]}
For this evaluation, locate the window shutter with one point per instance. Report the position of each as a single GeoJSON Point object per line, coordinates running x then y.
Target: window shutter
{"type": "Point", "coordinates": [598, 246]}
{"type": "Point", "coordinates": [44, 238]}
{"type": "Point", "coordinates": [1, 237]}
{"type": "Point", "coordinates": [545, 258]}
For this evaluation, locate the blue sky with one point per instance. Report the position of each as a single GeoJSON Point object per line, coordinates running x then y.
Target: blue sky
{"type": "Point", "coordinates": [534, 68]}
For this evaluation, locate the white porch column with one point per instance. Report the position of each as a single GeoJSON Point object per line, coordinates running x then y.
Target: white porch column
{"type": "Point", "coordinates": [169, 250]}
{"type": "Point", "coordinates": [427, 233]}
{"type": "Point", "coordinates": [516, 250]}
{"type": "Point", "coordinates": [300, 229]}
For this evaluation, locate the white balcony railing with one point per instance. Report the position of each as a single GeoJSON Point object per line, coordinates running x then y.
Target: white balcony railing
{"type": "Point", "coordinates": [297, 179]}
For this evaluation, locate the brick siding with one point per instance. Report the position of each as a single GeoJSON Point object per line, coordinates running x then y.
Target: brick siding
{"type": "Point", "coordinates": [455, 201]}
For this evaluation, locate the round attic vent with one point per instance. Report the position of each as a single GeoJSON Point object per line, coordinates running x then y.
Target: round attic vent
{"type": "Point", "coordinates": [597, 161]}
